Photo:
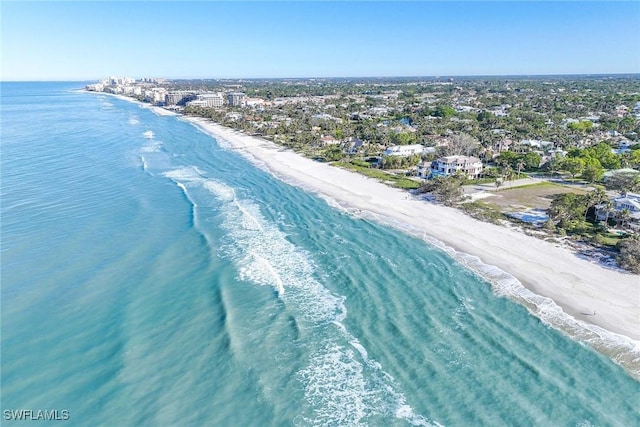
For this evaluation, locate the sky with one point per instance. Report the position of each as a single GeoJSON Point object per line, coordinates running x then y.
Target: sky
{"type": "Point", "coordinates": [93, 40]}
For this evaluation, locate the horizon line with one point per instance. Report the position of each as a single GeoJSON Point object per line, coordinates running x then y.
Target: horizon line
{"type": "Point", "coordinates": [441, 76]}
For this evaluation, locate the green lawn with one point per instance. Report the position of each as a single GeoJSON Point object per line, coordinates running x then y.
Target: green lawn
{"type": "Point", "coordinates": [399, 181]}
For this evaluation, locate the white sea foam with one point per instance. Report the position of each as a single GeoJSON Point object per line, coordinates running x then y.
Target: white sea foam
{"type": "Point", "coordinates": [335, 381]}
{"type": "Point", "coordinates": [133, 120]}
{"type": "Point", "coordinates": [151, 147]}
{"type": "Point", "coordinates": [184, 174]}
{"type": "Point", "coordinates": [148, 134]}
{"type": "Point", "coordinates": [221, 191]}
{"type": "Point", "coordinates": [143, 161]}
{"type": "Point", "coordinates": [336, 388]}
{"type": "Point", "coordinates": [345, 389]}
{"type": "Point", "coordinates": [342, 385]}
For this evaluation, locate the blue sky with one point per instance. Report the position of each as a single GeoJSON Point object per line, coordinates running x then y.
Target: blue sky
{"type": "Point", "coordinates": [86, 41]}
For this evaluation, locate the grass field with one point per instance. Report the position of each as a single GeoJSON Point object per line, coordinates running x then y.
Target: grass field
{"type": "Point", "coordinates": [534, 196]}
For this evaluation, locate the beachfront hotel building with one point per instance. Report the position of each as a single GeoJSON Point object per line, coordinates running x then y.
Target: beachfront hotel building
{"type": "Point", "coordinates": [207, 100]}
{"type": "Point", "coordinates": [236, 99]}
{"type": "Point", "coordinates": [178, 97]}
{"type": "Point", "coordinates": [450, 165]}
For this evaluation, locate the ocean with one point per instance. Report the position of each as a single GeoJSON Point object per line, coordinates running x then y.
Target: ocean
{"type": "Point", "coordinates": [151, 276]}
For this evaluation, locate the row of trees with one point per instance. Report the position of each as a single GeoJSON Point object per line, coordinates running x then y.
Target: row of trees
{"type": "Point", "coordinates": [592, 162]}
{"type": "Point", "coordinates": [568, 208]}
{"type": "Point", "coordinates": [569, 212]}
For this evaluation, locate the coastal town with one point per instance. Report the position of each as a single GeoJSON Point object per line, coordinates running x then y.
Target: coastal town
{"type": "Point", "coordinates": [557, 158]}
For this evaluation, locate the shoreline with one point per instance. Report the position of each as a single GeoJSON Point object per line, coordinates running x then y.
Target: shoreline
{"type": "Point", "coordinates": [592, 304]}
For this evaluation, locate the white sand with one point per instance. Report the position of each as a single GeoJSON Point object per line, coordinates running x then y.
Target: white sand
{"type": "Point", "coordinates": [597, 306]}
{"type": "Point", "coordinates": [157, 110]}
{"type": "Point", "coordinates": [160, 111]}
{"type": "Point", "coordinates": [579, 287]}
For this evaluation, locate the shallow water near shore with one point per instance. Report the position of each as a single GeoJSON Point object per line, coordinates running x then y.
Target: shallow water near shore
{"type": "Point", "coordinates": [150, 276]}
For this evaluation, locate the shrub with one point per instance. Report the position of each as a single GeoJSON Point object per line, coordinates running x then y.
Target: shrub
{"type": "Point", "coordinates": [629, 256]}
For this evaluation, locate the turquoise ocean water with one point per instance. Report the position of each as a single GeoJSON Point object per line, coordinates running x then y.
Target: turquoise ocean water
{"type": "Point", "coordinates": [151, 277]}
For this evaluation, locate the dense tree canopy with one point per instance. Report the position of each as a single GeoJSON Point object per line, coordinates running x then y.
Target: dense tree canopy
{"type": "Point", "coordinates": [623, 182]}
{"type": "Point", "coordinates": [447, 190]}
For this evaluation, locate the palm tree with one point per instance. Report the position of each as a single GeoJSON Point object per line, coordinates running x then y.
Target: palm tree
{"type": "Point", "coordinates": [623, 216]}
{"type": "Point", "coordinates": [594, 198]}
{"type": "Point", "coordinates": [520, 166]}
{"type": "Point", "coordinates": [507, 172]}
{"type": "Point", "coordinates": [607, 207]}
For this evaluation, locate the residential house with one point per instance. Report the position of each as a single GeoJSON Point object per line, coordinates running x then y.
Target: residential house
{"type": "Point", "coordinates": [424, 169]}
{"type": "Point", "coordinates": [354, 145]}
{"type": "Point", "coordinates": [403, 150]}
{"type": "Point", "coordinates": [624, 146]}
{"type": "Point", "coordinates": [629, 202]}
{"type": "Point", "coordinates": [328, 140]}
{"type": "Point", "coordinates": [450, 165]}
{"type": "Point", "coordinates": [534, 145]}
{"type": "Point", "coordinates": [557, 153]}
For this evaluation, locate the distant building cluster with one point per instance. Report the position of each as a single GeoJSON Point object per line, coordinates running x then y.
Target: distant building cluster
{"type": "Point", "coordinates": [152, 90]}
{"type": "Point", "coordinates": [388, 132]}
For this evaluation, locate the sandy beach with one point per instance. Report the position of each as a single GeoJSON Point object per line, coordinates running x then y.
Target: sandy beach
{"type": "Point", "coordinates": [590, 303]}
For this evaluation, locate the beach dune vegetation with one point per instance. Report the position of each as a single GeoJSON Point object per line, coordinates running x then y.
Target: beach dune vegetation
{"type": "Point", "coordinates": [446, 189]}
{"type": "Point", "coordinates": [629, 255]}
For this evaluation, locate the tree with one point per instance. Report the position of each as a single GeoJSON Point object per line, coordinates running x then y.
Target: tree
{"type": "Point", "coordinates": [566, 208]}
{"type": "Point", "coordinates": [607, 207]}
{"type": "Point", "coordinates": [444, 111]}
{"type": "Point", "coordinates": [552, 165]}
{"type": "Point", "coordinates": [573, 165]}
{"type": "Point", "coordinates": [508, 174]}
{"type": "Point", "coordinates": [507, 158]}
{"type": "Point", "coordinates": [592, 171]}
{"type": "Point", "coordinates": [581, 126]}
{"type": "Point", "coordinates": [594, 198]}
{"type": "Point", "coordinates": [531, 160]}
{"type": "Point", "coordinates": [629, 255]}
{"type": "Point", "coordinates": [391, 162]}
{"type": "Point", "coordinates": [486, 115]}
{"type": "Point", "coordinates": [602, 152]}
{"type": "Point", "coordinates": [403, 138]}
{"type": "Point", "coordinates": [333, 154]}
{"type": "Point", "coordinates": [634, 158]}
{"type": "Point", "coordinates": [462, 144]}
{"type": "Point", "coordinates": [519, 167]}
{"type": "Point", "coordinates": [447, 190]}
{"type": "Point", "coordinates": [622, 216]}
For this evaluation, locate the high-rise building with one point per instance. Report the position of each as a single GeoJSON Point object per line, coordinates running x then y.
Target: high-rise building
{"type": "Point", "coordinates": [236, 99]}
{"type": "Point", "coordinates": [211, 100]}
{"type": "Point", "coordinates": [179, 97]}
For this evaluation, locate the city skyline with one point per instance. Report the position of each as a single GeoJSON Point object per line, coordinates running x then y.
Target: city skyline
{"type": "Point", "coordinates": [88, 41]}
